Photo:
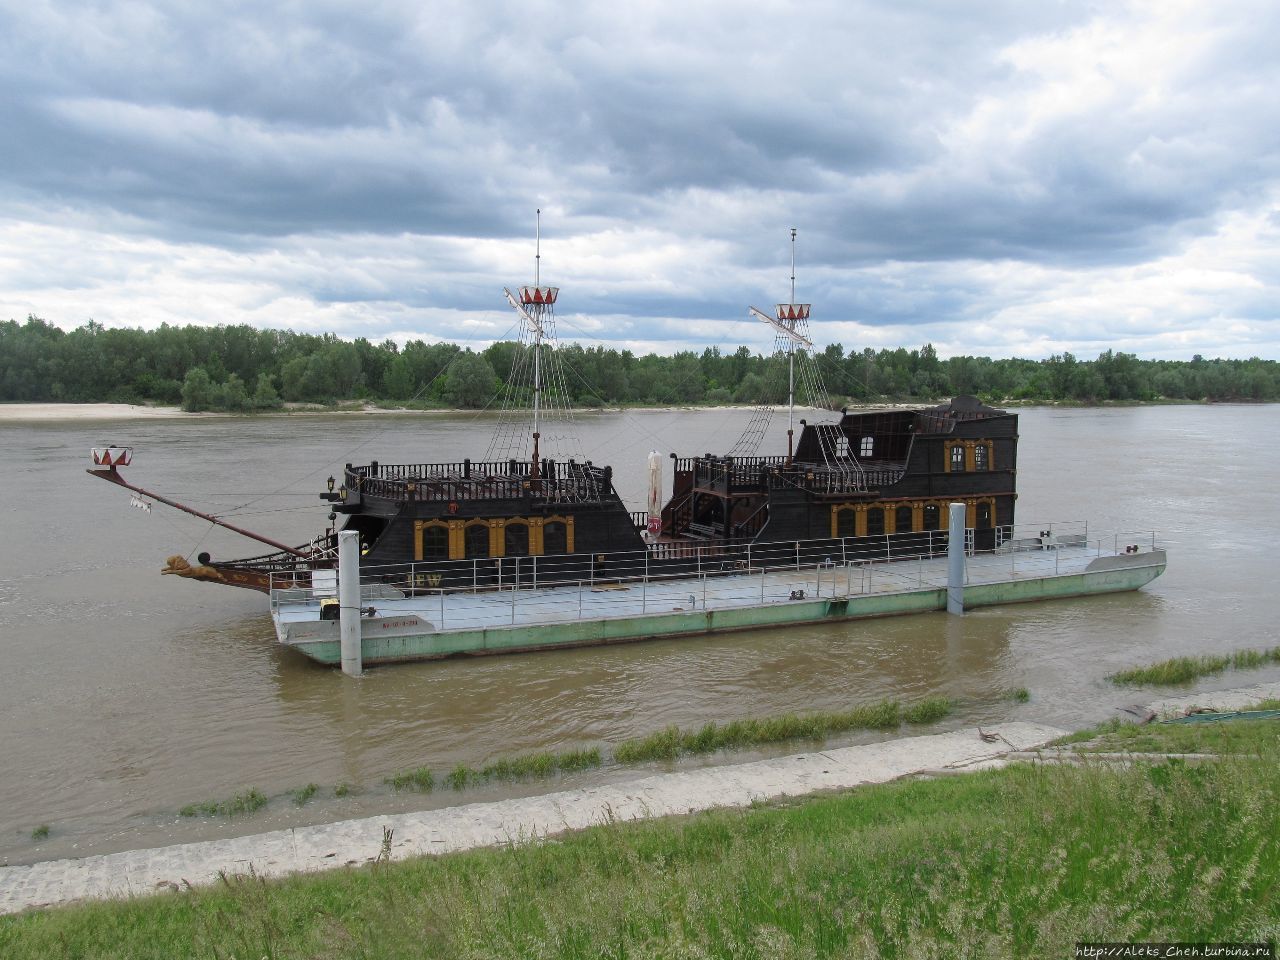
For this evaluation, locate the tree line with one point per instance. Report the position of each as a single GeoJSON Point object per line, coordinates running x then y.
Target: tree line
{"type": "Point", "coordinates": [242, 368]}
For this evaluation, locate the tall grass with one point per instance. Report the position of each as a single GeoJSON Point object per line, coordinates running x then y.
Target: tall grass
{"type": "Point", "coordinates": [672, 742]}
{"type": "Point", "coordinates": [246, 801]}
{"type": "Point", "coordinates": [1185, 669]}
{"type": "Point", "coordinates": [1020, 862]}
{"type": "Point", "coordinates": [524, 767]}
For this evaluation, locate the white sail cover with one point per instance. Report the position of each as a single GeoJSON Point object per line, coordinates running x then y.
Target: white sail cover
{"type": "Point", "coordinates": [655, 492]}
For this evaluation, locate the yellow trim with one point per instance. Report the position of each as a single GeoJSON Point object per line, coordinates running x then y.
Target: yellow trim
{"type": "Point", "coordinates": [502, 533]}
{"type": "Point", "coordinates": [419, 526]}
{"type": "Point", "coordinates": [568, 532]}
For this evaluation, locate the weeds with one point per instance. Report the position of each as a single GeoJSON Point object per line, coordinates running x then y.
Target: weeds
{"type": "Point", "coordinates": [1180, 670]}
{"type": "Point", "coordinates": [419, 779]}
{"type": "Point", "coordinates": [246, 802]}
{"type": "Point", "coordinates": [525, 767]}
{"type": "Point", "coordinates": [342, 790]}
{"type": "Point", "coordinates": [303, 794]}
{"type": "Point", "coordinates": [1018, 694]}
{"type": "Point", "coordinates": [41, 832]}
{"type": "Point", "coordinates": [672, 742]}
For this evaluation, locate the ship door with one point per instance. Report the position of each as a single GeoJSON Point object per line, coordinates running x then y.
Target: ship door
{"type": "Point", "coordinates": [984, 533]}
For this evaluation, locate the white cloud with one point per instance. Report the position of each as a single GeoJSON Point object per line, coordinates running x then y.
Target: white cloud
{"type": "Point", "coordinates": [1023, 179]}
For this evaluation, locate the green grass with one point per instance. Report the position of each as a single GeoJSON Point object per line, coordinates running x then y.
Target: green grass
{"type": "Point", "coordinates": [41, 832]}
{"type": "Point", "coordinates": [303, 794]}
{"type": "Point", "coordinates": [1019, 862]}
{"type": "Point", "coordinates": [246, 802]}
{"type": "Point", "coordinates": [1181, 670]}
{"type": "Point", "coordinates": [342, 790]}
{"type": "Point", "coordinates": [420, 779]}
{"type": "Point", "coordinates": [1018, 694]}
{"type": "Point", "coordinates": [672, 742]}
{"type": "Point", "coordinates": [525, 767]}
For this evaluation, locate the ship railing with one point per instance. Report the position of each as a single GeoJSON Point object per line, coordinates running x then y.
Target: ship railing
{"type": "Point", "coordinates": [775, 573]}
{"type": "Point", "coordinates": [666, 561]}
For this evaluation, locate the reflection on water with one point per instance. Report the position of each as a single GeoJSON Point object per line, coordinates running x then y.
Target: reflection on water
{"type": "Point", "coordinates": [128, 695]}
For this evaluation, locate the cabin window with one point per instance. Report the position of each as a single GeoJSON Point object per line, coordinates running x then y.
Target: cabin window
{"type": "Point", "coordinates": [477, 541]}
{"type": "Point", "coordinates": [842, 446]}
{"type": "Point", "coordinates": [435, 543]}
{"type": "Point", "coordinates": [516, 540]}
{"type": "Point", "coordinates": [902, 519]}
{"type": "Point", "coordinates": [846, 523]}
{"type": "Point", "coordinates": [957, 458]}
{"type": "Point", "coordinates": [554, 538]}
{"type": "Point", "coordinates": [980, 457]}
{"type": "Point", "coordinates": [868, 447]}
{"type": "Point", "coordinates": [932, 516]}
{"type": "Point", "coordinates": [875, 522]}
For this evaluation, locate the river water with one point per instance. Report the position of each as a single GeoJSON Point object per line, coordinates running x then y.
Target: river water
{"type": "Point", "coordinates": [125, 695]}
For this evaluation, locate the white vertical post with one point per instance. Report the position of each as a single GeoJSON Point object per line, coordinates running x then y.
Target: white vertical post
{"type": "Point", "coordinates": [349, 602]}
{"type": "Point", "coordinates": [955, 560]}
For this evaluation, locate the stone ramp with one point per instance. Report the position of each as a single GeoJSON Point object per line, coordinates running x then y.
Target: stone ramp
{"type": "Point", "coordinates": [355, 842]}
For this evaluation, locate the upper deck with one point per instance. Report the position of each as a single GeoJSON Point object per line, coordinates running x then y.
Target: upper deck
{"type": "Point", "coordinates": [481, 480]}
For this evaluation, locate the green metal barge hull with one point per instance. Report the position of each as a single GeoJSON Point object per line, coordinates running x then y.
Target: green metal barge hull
{"type": "Point", "coordinates": [394, 636]}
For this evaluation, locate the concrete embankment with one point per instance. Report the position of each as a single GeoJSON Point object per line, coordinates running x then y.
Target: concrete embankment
{"type": "Point", "coordinates": [354, 842]}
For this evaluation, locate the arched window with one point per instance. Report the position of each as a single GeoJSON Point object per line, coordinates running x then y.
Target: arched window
{"type": "Point", "coordinates": [957, 458]}
{"type": "Point", "coordinates": [984, 515]}
{"type": "Point", "coordinates": [932, 516]}
{"type": "Point", "coordinates": [477, 541]}
{"type": "Point", "coordinates": [435, 543]}
{"type": "Point", "coordinates": [846, 523]}
{"type": "Point", "coordinates": [554, 538]}
{"type": "Point", "coordinates": [980, 461]}
{"type": "Point", "coordinates": [875, 522]}
{"type": "Point", "coordinates": [516, 540]}
{"type": "Point", "coordinates": [902, 519]}
{"type": "Point", "coordinates": [867, 446]}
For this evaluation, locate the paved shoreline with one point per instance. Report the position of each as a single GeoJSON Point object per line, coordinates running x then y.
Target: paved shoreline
{"type": "Point", "coordinates": [355, 842]}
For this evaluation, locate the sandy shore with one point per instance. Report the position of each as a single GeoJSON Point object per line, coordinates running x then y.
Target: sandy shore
{"type": "Point", "coordinates": [45, 412]}
{"type": "Point", "coordinates": [41, 412]}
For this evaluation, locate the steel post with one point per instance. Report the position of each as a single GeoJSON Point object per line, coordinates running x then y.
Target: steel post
{"type": "Point", "coordinates": [349, 602]}
{"type": "Point", "coordinates": [955, 560]}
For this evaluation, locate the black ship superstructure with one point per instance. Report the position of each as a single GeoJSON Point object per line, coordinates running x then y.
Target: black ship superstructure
{"type": "Point", "coordinates": [868, 484]}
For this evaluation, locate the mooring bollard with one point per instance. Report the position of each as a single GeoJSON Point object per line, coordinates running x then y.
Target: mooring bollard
{"type": "Point", "coordinates": [349, 602]}
{"type": "Point", "coordinates": [955, 560]}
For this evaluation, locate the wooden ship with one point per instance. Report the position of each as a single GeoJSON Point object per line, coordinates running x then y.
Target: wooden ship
{"type": "Point", "coordinates": [868, 484]}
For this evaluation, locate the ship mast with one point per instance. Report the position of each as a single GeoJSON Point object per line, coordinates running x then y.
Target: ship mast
{"type": "Point", "coordinates": [787, 319]}
{"type": "Point", "coordinates": [535, 305]}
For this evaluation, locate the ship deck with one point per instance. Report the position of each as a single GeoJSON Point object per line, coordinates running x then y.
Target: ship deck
{"type": "Point", "coordinates": [446, 611]}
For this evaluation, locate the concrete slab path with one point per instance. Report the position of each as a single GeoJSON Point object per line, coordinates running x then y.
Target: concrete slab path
{"type": "Point", "coordinates": [355, 842]}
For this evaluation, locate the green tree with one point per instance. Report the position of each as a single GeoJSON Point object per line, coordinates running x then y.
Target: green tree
{"type": "Point", "coordinates": [470, 382]}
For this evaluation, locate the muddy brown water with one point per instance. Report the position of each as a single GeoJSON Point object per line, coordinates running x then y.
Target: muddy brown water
{"type": "Point", "coordinates": [125, 695]}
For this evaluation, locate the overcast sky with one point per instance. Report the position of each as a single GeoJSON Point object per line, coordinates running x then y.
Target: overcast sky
{"type": "Point", "coordinates": [998, 178]}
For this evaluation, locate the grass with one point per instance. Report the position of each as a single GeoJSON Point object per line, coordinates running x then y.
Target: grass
{"type": "Point", "coordinates": [1019, 862]}
{"type": "Point", "coordinates": [1181, 670]}
{"type": "Point", "coordinates": [246, 802]}
{"type": "Point", "coordinates": [1018, 694]}
{"type": "Point", "coordinates": [303, 794]}
{"type": "Point", "coordinates": [524, 767]}
{"type": "Point", "coordinates": [41, 832]}
{"type": "Point", "coordinates": [342, 790]}
{"type": "Point", "coordinates": [672, 742]}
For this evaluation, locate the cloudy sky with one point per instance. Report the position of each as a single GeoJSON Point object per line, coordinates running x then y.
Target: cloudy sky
{"type": "Point", "coordinates": [999, 178]}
